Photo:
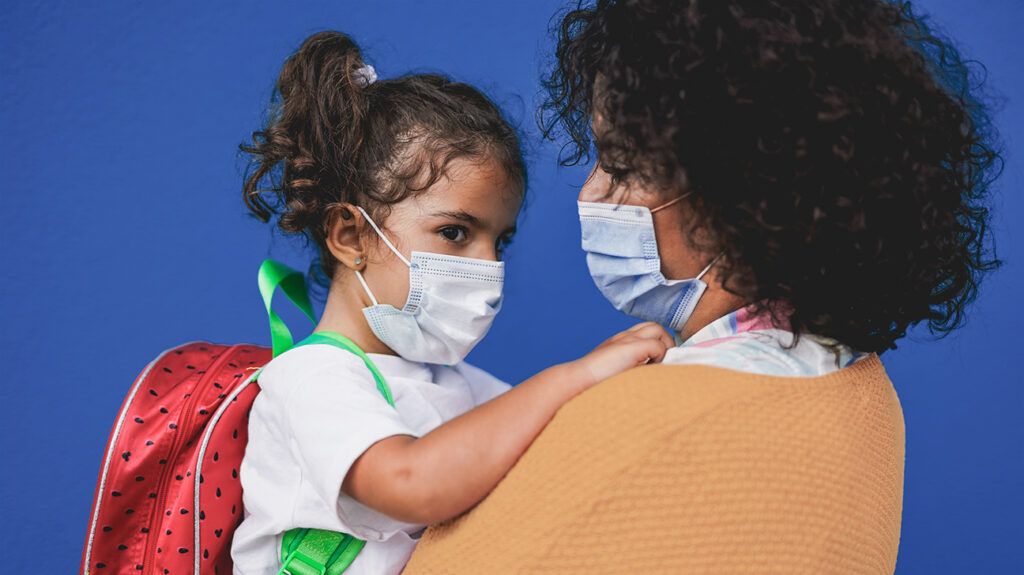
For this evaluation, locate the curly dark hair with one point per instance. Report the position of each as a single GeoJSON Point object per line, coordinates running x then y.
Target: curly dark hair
{"type": "Point", "coordinates": [332, 138]}
{"type": "Point", "coordinates": [838, 152]}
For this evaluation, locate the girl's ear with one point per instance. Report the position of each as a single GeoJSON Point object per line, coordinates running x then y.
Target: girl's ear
{"type": "Point", "coordinates": [345, 236]}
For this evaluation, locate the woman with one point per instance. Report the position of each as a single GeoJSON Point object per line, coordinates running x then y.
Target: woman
{"type": "Point", "coordinates": [812, 176]}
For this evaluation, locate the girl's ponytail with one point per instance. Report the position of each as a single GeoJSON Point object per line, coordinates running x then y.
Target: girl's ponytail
{"type": "Point", "coordinates": [314, 133]}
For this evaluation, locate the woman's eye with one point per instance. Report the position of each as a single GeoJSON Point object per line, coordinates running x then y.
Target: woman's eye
{"type": "Point", "coordinates": [454, 233]}
{"type": "Point", "coordinates": [617, 173]}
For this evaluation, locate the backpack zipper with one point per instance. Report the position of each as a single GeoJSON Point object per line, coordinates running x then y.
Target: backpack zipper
{"type": "Point", "coordinates": [197, 486]}
{"type": "Point", "coordinates": [186, 417]}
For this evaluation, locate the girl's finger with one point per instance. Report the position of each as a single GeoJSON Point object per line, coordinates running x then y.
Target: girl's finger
{"type": "Point", "coordinates": [652, 330]}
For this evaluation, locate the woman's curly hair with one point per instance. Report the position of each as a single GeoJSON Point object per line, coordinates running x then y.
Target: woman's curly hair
{"type": "Point", "coordinates": [838, 151]}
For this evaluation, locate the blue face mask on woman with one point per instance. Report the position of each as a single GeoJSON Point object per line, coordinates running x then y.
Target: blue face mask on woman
{"type": "Point", "coordinates": [622, 254]}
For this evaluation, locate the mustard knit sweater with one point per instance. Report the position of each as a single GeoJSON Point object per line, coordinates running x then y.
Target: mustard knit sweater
{"type": "Point", "coordinates": [692, 469]}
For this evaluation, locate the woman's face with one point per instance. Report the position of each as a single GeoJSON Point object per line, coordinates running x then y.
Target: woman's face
{"type": "Point", "coordinates": [678, 259]}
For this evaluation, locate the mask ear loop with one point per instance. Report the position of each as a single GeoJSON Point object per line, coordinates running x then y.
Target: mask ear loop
{"type": "Point", "coordinates": [383, 237]}
{"type": "Point", "coordinates": [391, 246]}
{"type": "Point", "coordinates": [671, 202]}
{"type": "Point", "coordinates": [706, 268]}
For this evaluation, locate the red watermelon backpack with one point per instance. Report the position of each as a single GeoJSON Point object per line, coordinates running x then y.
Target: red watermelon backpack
{"type": "Point", "coordinates": [168, 497]}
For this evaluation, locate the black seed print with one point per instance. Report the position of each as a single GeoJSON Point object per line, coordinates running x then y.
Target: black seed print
{"type": "Point", "coordinates": [126, 455]}
{"type": "Point", "coordinates": [230, 364]}
{"type": "Point", "coordinates": [217, 385]}
{"type": "Point", "coordinates": [138, 567]}
{"type": "Point", "coordinates": [144, 530]}
{"type": "Point", "coordinates": [234, 434]}
{"type": "Point", "coordinates": [101, 565]}
{"type": "Point", "coordinates": [218, 492]}
{"type": "Point", "coordinates": [217, 532]}
{"type": "Point", "coordinates": [129, 511]}
{"type": "Point", "coordinates": [152, 392]}
{"type": "Point", "coordinates": [216, 455]}
{"type": "Point", "coordinates": [152, 495]}
{"type": "Point", "coordinates": [201, 372]}
{"type": "Point", "coordinates": [203, 349]}
{"type": "Point", "coordinates": [122, 547]}
{"type": "Point", "coordinates": [163, 462]}
{"type": "Point", "coordinates": [163, 410]}
{"type": "Point", "coordinates": [187, 395]}
{"type": "Point", "coordinates": [173, 426]}
{"type": "Point", "coordinates": [149, 442]}
{"type": "Point", "coordinates": [107, 529]}
{"type": "Point", "coordinates": [168, 532]}
{"type": "Point", "coordinates": [234, 399]}
{"type": "Point", "coordinates": [203, 412]}
{"type": "Point", "coordinates": [190, 367]}
{"type": "Point", "coordinates": [115, 493]}
{"type": "Point", "coordinates": [168, 512]}
{"type": "Point", "coordinates": [200, 478]}
{"type": "Point", "coordinates": [182, 550]}
{"type": "Point", "coordinates": [178, 477]}
{"type": "Point", "coordinates": [222, 396]}
{"type": "Point", "coordinates": [159, 549]}
{"type": "Point", "coordinates": [139, 420]}
{"type": "Point", "coordinates": [234, 473]}
{"type": "Point", "coordinates": [168, 370]}
{"type": "Point", "coordinates": [202, 515]}
{"type": "Point", "coordinates": [166, 571]}
{"type": "Point", "coordinates": [184, 511]}
{"type": "Point", "coordinates": [178, 352]}
{"type": "Point", "coordinates": [232, 509]}
{"type": "Point", "coordinates": [188, 474]}
{"type": "Point", "coordinates": [238, 375]}
{"type": "Point", "coordinates": [139, 478]}
{"type": "Point", "coordinates": [206, 553]}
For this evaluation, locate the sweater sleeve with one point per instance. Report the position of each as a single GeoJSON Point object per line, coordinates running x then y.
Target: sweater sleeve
{"type": "Point", "coordinates": [694, 469]}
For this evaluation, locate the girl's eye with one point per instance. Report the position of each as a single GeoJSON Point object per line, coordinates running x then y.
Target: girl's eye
{"type": "Point", "coordinates": [454, 233]}
{"type": "Point", "coordinates": [502, 244]}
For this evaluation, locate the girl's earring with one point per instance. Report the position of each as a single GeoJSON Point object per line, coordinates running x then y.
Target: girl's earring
{"type": "Point", "coordinates": [359, 260]}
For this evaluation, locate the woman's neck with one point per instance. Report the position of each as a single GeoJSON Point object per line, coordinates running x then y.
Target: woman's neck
{"type": "Point", "coordinates": [715, 303]}
{"type": "Point", "coordinates": [343, 314]}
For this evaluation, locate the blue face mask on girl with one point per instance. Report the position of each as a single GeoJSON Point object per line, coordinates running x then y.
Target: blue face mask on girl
{"type": "Point", "coordinates": [622, 254]}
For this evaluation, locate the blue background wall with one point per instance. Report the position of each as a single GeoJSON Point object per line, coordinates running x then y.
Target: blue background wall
{"type": "Point", "coordinates": [123, 234]}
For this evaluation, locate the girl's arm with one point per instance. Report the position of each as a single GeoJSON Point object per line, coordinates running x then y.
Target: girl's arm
{"type": "Point", "coordinates": [450, 469]}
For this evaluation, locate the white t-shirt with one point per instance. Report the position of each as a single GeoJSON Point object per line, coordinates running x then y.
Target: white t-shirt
{"type": "Point", "coordinates": [318, 410]}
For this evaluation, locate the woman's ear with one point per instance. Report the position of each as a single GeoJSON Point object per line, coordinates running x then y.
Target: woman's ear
{"type": "Point", "coordinates": [345, 236]}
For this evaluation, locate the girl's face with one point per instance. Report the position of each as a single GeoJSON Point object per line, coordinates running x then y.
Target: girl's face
{"type": "Point", "coordinates": [471, 212]}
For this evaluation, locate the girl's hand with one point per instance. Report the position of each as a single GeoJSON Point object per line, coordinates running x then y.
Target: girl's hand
{"type": "Point", "coordinates": [643, 343]}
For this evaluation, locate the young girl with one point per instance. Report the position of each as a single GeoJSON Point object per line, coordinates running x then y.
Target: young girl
{"type": "Point", "coordinates": [409, 187]}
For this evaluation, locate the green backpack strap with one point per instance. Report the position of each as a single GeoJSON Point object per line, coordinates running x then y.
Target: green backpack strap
{"type": "Point", "coordinates": [275, 275]}
{"type": "Point", "coordinates": [311, 551]}
{"type": "Point", "coordinates": [318, 552]}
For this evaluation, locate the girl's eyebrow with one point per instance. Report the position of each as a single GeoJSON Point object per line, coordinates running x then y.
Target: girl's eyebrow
{"type": "Point", "coordinates": [459, 215]}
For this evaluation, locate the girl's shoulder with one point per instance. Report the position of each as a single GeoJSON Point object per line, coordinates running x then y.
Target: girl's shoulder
{"type": "Point", "coordinates": [301, 364]}
{"type": "Point", "coordinates": [482, 384]}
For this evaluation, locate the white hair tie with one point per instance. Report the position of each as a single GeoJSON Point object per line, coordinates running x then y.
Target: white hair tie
{"type": "Point", "coordinates": [365, 75]}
